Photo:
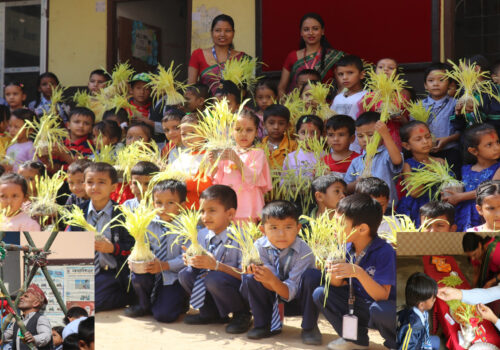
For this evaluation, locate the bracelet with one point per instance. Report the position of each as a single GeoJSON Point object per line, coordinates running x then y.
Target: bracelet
{"type": "Point", "coordinates": [217, 265]}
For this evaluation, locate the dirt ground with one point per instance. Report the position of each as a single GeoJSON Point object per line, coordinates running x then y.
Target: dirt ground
{"type": "Point", "coordinates": [115, 331]}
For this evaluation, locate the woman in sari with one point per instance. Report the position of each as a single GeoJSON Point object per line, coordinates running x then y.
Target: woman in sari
{"type": "Point", "coordinates": [484, 254]}
{"type": "Point", "coordinates": [206, 65]}
{"type": "Point", "coordinates": [314, 53]}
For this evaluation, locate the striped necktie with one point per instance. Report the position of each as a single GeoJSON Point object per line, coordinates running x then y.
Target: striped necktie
{"type": "Point", "coordinates": [93, 221]}
{"type": "Point", "coordinates": [427, 340]}
{"type": "Point", "coordinates": [275, 317]}
{"type": "Point", "coordinates": [199, 289]}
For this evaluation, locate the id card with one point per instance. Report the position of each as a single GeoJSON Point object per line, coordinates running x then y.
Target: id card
{"type": "Point", "coordinates": [350, 327]}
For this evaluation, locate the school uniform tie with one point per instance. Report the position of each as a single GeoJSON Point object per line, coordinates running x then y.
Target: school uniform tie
{"type": "Point", "coordinates": [197, 299]}
{"type": "Point", "coordinates": [93, 221]}
{"type": "Point", "coordinates": [275, 317]}
{"type": "Point", "coordinates": [427, 340]}
{"type": "Point", "coordinates": [161, 254]}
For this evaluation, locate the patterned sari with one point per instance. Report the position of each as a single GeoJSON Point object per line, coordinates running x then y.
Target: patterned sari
{"type": "Point", "coordinates": [210, 76]}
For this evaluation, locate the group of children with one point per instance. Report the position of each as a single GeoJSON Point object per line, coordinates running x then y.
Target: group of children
{"type": "Point", "coordinates": [238, 186]}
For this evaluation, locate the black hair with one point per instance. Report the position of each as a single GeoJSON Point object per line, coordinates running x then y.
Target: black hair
{"type": "Point", "coordinates": [268, 84]}
{"type": "Point", "coordinates": [223, 18]}
{"type": "Point", "coordinates": [4, 113]}
{"type": "Point", "coordinates": [249, 114]}
{"type": "Point", "coordinates": [173, 114]}
{"type": "Point", "coordinates": [39, 81]}
{"type": "Point", "coordinates": [367, 118]}
{"type": "Point", "coordinates": [471, 241]}
{"type": "Point", "coordinates": [109, 128]}
{"type": "Point", "coordinates": [351, 60]}
{"type": "Point", "coordinates": [435, 66]}
{"type": "Point", "coordinates": [486, 189]}
{"type": "Point", "coordinates": [341, 121]}
{"type": "Point", "coordinates": [144, 168]}
{"type": "Point", "coordinates": [86, 112]}
{"type": "Point", "coordinates": [311, 118]}
{"type": "Point", "coordinates": [58, 329]}
{"type": "Point", "coordinates": [16, 179]}
{"type": "Point", "coordinates": [419, 288]}
{"type": "Point", "coordinates": [322, 183]}
{"type": "Point", "coordinates": [15, 83]}
{"type": "Point", "coordinates": [310, 72]}
{"type": "Point", "coordinates": [405, 130]}
{"type": "Point", "coordinates": [148, 130]}
{"type": "Point", "coordinates": [2, 170]}
{"type": "Point", "coordinates": [225, 195]}
{"type": "Point", "coordinates": [23, 114]}
{"type": "Point", "coordinates": [495, 68]}
{"type": "Point", "coordinates": [199, 90]}
{"type": "Point", "coordinates": [372, 186]}
{"type": "Point", "coordinates": [434, 209]}
{"type": "Point", "coordinates": [78, 166]}
{"type": "Point", "coordinates": [277, 110]}
{"type": "Point", "coordinates": [173, 186]}
{"type": "Point", "coordinates": [480, 61]}
{"type": "Point", "coordinates": [472, 139]}
{"type": "Point", "coordinates": [101, 167]}
{"type": "Point", "coordinates": [280, 210]}
{"type": "Point", "coordinates": [227, 87]}
{"type": "Point", "coordinates": [71, 342]}
{"type": "Point", "coordinates": [75, 312]}
{"type": "Point", "coordinates": [362, 209]}
{"type": "Point", "coordinates": [121, 114]}
{"type": "Point", "coordinates": [100, 72]}
{"type": "Point", "coordinates": [190, 119]}
{"type": "Point", "coordinates": [86, 330]}
{"type": "Point", "coordinates": [35, 165]}
{"type": "Point", "coordinates": [323, 42]}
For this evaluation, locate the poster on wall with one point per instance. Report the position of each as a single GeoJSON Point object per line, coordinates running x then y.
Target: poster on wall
{"type": "Point", "coordinates": [144, 43]}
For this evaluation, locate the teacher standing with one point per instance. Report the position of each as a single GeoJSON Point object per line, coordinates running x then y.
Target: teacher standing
{"type": "Point", "coordinates": [206, 65]}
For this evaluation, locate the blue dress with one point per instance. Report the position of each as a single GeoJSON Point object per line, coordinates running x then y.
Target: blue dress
{"type": "Point", "coordinates": [466, 215]}
{"type": "Point", "coordinates": [409, 205]}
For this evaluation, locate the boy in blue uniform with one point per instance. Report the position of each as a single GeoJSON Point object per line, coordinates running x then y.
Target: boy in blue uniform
{"type": "Point", "coordinates": [285, 257]}
{"type": "Point", "coordinates": [413, 332]}
{"type": "Point", "coordinates": [112, 251]}
{"type": "Point", "coordinates": [141, 174]}
{"type": "Point", "coordinates": [158, 290]}
{"type": "Point", "coordinates": [372, 273]}
{"type": "Point", "coordinates": [214, 280]}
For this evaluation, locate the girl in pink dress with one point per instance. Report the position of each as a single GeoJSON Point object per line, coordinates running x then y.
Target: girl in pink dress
{"type": "Point", "coordinates": [245, 169]}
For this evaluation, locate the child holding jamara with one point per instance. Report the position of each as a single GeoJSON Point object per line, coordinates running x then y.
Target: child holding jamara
{"type": "Point", "coordinates": [141, 174]}
{"type": "Point", "coordinates": [171, 128]}
{"type": "Point", "coordinates": [369, 274]}
{"type": "Point", "coordinates": [214, 280]}
{"type": "Point", "coordinates": [285, 257]}
{"type": "Point", "coordinates": [340, 130]}
{"type": "Point", "coordinates": [112, 250]}
{"type": "Point", "coordinates": [158, 290]}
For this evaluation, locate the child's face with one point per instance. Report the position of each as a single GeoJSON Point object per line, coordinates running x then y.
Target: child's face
{"type": "Point", "coordinates": [304, 78]}
{"type": "Point", "coordinates": [437, 84]}
{"type": "Point", "coordinates": [189, 137]}
{"type": "Point", "coordinates": [141, 92]}
{"type": "Point", "coordinates": [490, 211]}
{"type": "Point", "coordinates": [215, 216]}
{"type": "Point", "coordinates": [420, 140]}
{"type": "Point", "coordinates": [364, 134]}
{"type": "Point", "coordinates": [308, 98]}
{"type": "Point", "coordinates": [231, 101]}
{"type": "Point", "coordinates": [168, 203]}
{"type": "Point", "coordinates": [334, 193]}
{"type": "Point", "coordinates": [308, 130]}
{"type": "Point", "coordinates": [244, 132]}
{"type": "Point", "coordinates": [46, 85]}
{"type": "Point", "coordinates": [12, 197]}
{"type": "Point", "coordinates": [495, 76]}
{"type": "Point", "coordinates": [281, 233]}
{"type": "Point", "coordinates": [99, 139]}
{"type": "Point", "coordinates": [339, 140]}
{"type": "Point", "coordinates": [98, 186]}
{"type": "Point", "coordinates": [16, 124]}
{"type": "Point", "coordinates": [30, 175]}
{"type": "Point", "coordinates": [439, 224]}
{"type": "Point", "coordinates": [56, 338]}
{"type": "Point", "coordinates": [350, 77]}
{"type": "Point", "coordinates": [172, 131]}
{"type": "Point", "coordinates": [383, 201]}
{"type": "Point", "coordinates": [387, 66]}
{"type": "Point", "coordinates": [452, 88]}
{"type": "Point", "coordinates": [96, 83]}
{"type": "Point", "coordinates": [488, 148]}
{"type": "Point", "coordinates": [134, 134]}
{"type": "Point", "coordinates": [264, 97]}
{"type": "Point", "coordinates": [14, 96]}
{"type": "Point", "coordinates": [139, 183]}
{"type": "Point", "coordinates": [428, 304]}
{"type": "Point", "coordinates": [80, 125]}
{"type": "Point", "coordinates": [275, 127]}
{"type": "Point", "coordinates": [76, 183]}
{"type": "Point", "coordinates": [193, 102]}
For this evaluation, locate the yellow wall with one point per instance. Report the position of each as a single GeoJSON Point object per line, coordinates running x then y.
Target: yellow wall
{"type": "Point", "coordinates": [243, 13]}
{"type": "Point", "coordinates": [77, 40]}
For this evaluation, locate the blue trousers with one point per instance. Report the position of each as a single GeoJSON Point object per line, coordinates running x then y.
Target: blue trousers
{"type": "Point", "coordinates": [169, 301]}
{"type": "Point", "coordinates": [110, 291]}
{"type": "Point", "coordinates": [222, 296]}
{"type": "Point", "coordinates": [311, 279]}
{"type": "Point", "coordinates": [261, 302]}
{"type": "Point", "coordinates": [435, 342]}
{"type": "Point", "coordinates": [383, 318]}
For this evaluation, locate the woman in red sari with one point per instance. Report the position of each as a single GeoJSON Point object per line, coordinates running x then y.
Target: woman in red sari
{"type": "Point", "coordinates": [314, 53]}
{"type": "Point", "coordinates": [206, 65]}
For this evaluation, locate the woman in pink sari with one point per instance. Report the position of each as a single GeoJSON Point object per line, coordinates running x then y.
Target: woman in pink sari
{"type": "Point", "coordinates": [206, 65]}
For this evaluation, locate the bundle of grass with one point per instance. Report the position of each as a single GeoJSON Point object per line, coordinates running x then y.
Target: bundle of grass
{"type": "Point", "coordinates": [136, 222]}
{"type": "Point", "coordinates": [245, 234]}
{"type": "Point", "coordinates": [318, 148]}
{"type": "Point", "coordinates": [44, 204]}
{"type": "Point", "coordinates": [105, 153]}
{"type": "Point", "coordinates": [75, 217]}
{"type": "Point", "coordinates": [319, 93]}
{"type": "Point", "coordinates": [418, 112]}
{"type": "Point", "coordinates": [185, 227]}
{"type": "Point", "coordinates": [55, 99]}
{"type": "Point", "coordinates": [432, 177]}
{"type": "Point", "coordinates": [451, 281]}
{"type": "Point", "coordinates": [164, 87]}
{"type": "Point", "coordinates": [82, 98]}
{"type": "Point", "coordinates": [296, 106]}
{"type": "Point", "coordinates": [401, 223]}
{"type": "Point", "coordinates": [241, 71]}
{"type": "Point", "coordinates": [472, 85]}
{"type": "Point", "coordinates": [138, 151]}
{"type": "Point", "coordinates": [121, 75]}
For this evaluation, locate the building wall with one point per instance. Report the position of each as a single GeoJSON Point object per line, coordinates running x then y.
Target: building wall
{"type": "Point", "coordinates": [76, 39]}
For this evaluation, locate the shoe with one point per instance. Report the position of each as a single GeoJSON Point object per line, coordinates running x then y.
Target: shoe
{"type": "Point", "coordinates": [312, 336]}
{"type": "Point", "coordinates": [136, 311]}
{"type": "Point", "coordinates": [342, 344]}
{"type": "Point", "coordinates": [240, 323]}
{"type": "Point", "coordinates": [259, 333]}
{"type": "Point", "coordinates": [198, 319]}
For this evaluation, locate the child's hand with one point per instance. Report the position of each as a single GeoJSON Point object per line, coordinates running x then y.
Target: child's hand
{"type": "Point", "coordinates": [345, 270]}
{"type": "Point", "coordinates": [469, 107]}
{"type": "Point", "coordinates": [203, 262]}
{"type": "Point", "coordinates": [451, 197]}
{"type": "Point", "coordinates": [440, 143]}
{"type": "Point", "coordinates": [155, 266]}
{"type": "Point", "coordinates": [104, 246]}
{"type": "Point", "coordinates": [382, 129]}
{"type": "Point", "coordinates": [486, 313]}
{"type": "Point", "coordinates": [250, 269]}
{"type": "Point", "coordinates": [448, 293]}
{"type": "Point", "coordinates": [262, 274]}
{"type": "Point", "coordinates": [184, 256]}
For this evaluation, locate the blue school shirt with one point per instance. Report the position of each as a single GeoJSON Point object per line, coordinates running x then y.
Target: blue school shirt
{"type": "Point", "coordinates": [164, 242]}
{"type": "Point", "coordinates": [380, 263]}
{"type": "Point", "coordinates": [228, 256]}
{"type": "Point", "coordinates": [44, 106]}
{"type": "Point", "coordinates": [98, 220]}
{"type": "Point", "coordinates": [382, 168]}
{"type": "Point", "coordinates": [131, 204]}
{"type": "Point", "coordinates": [293, 261]}
{"type": "Point", "coordinates": [439, 121]}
